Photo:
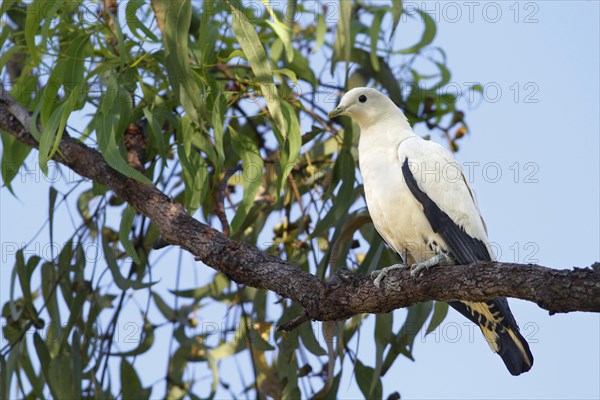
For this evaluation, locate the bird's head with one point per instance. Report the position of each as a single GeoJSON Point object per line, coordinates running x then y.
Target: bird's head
{"type": "Point", "coordinates": [366, 106]}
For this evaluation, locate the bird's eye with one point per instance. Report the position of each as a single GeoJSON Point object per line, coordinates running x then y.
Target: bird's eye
{"type": "Point", "coordinates": [362, 98]}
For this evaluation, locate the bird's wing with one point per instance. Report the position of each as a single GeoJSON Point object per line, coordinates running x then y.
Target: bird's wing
{"type": "Point", "coordinates": [436, 180]}
{"type": "Point", "coordinates": [474, 201]}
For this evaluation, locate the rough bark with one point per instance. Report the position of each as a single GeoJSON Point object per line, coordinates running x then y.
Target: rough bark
{"type": "Point", "coordinates": [346, 294]}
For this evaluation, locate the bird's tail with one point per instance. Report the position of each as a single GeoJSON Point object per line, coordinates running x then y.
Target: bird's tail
{"type": "Point", "coordinates": [501, 332]}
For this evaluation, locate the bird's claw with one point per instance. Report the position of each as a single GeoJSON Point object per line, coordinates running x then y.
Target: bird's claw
{"type": "Point", "coordinates": [440, 259]}
{"type": "Point", "coordinates": [416, 269]}
{"type": "Point", "coordinates": [380, 274]}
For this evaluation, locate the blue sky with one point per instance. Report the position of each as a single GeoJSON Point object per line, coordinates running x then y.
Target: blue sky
{"type": "Point", "coordinates": [538, 125]}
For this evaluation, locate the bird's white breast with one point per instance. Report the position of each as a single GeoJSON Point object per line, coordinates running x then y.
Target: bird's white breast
{"type": "Point", "coordinates": [396, 214]}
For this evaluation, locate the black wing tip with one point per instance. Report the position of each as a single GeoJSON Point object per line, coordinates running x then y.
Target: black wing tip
{"type": "Point", "coordinates": [517, 358]}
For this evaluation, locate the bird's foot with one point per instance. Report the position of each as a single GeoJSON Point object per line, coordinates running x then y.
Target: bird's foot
{"type": "Point", "coordinates": [379, 274]}
{"type": "Point", "coordinates": [440, 259]}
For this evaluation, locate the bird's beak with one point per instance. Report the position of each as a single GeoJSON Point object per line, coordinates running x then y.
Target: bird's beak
{"type": "Point", "coordinates": [338, 111]}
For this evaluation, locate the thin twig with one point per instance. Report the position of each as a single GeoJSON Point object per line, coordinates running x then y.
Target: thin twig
{"type": "Point", "coordinates": [246, 319]}
{"type": "Point", "coordinates": [294, 323]}
{"type": "Point", "coordinates": [220, 201]}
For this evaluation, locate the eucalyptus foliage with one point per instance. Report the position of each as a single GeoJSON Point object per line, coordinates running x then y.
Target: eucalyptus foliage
{"type": "Point", "coordinates": [222, 105]}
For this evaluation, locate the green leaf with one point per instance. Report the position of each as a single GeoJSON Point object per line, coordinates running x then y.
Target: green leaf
{"type": "Point", "coordinates": [25, 272]}
{"type": "Point", "coordinates": [163, 307]}
{"type": "Point", "coordinates": [131, 384]}
{"type": "Point", "coordinates": [257, 57]}
{"type": "Point", "coordinates": [404, 340]}
{"type": "Point", "coordinates": [293, 143]}
{"type": "Point", "coordinates": [383, 335]}
{"type": "Point", "coordinates": [213, 289]}
{"type": "Point", "coordinates": [60, 378]}
{"type": "Point", "coordinates": [343, 36]}
{"type": "Point", "coordinates": [287, 364]}
{"type": "Point", "coordinates": [45, 360]}
{"type": "Point", "coordinates": [115, 108]}
{"type": "Point", "coordinates": [255, 338]}
{"type": "Point", "coordinates": [49, 282]}
{"type": "Point", "coordinates": [36, 12]}
{"type": "Point", "coordinates": [428, 34]}
{"type": "Point", "coordinates": [237, 344]}
{"type": "Point", "coordinates": [385, 75]}
{"type": "Point", "coordinates": [134, 22]}
{"type": "Point", "coordinates": [73, 64]}
{"type": "Point", "coordinates": [122, 52]}
{"type": "Point", "coordinates": [51, 205]}
{"type": "Point", "coordinates": [396, 13]}
{"type": "Point", "coordinates": [42, 352]}
{"type": "Point", "coordinates": [11, 12]}
{"type": "Point", "coordinates": [252, 173]}
{"type": "Point", "coordinates": [195, 169]}
{"type": "Point", "coordinates": [4, 379]}
{"type": "Point", "coordinates": [12, 367]}
{"type": "Point", "coordinates": [307, 335]}
{"type": "Point", "coordinates": [8, 54]}
{"type": "Point", "coordinates": [124, 230]}
{"type": "Point", "coordinates": [372, 259]}
{"type": "Point", "coordinates": [120, 280]}
{"type": "Point", "coordinates": [445, 76]}
{"type": "Point", "coordinates": [156, 133]}
{"type": "Point", "coordinates": [440, 310]}
{"type": "Point", "coordinates": [77, 362]}
{"type": "Point", "coordinates": [301, 68]}
{"type": "Point", "coordinates": [383, 328]}
{"type": "Point", "coordinates": [13, 155]}
{"type": "Point", "coordinates": [375, 30]}
{"type": "Point", "coordinates": [218, 116]}
{"type": "Point", "coordinates": [54, 130]}
{"type": "Point", "coordinates": [214, 367]}
{"type": "Point", "coordinates": [320, 32]}
{"type": "Point", "coordinates": [68, 73]}
{"type": "Point", "coordinates": [208, 35]}
{"type": "Point", "coordinates": [287, 72]}
{"type": "Point", "coordinates": [36, 380]}
{"type": "Point", "coordinates": [477, 88]}
{"type": "Point", "coordinates": [204, 144]}
{"type": "Point", "coordinates": [343, 237]}
{"type": "Point", "coordinates": [281, 30]}
{"type": "Point", "coordinates": [332, 394]}
{"type": "Point", "coordinates": [174, 18]}
{"type": "Point", "coordinates": [259, 306]}
{"type": "Point", "coordinates": [18, 359]}
{"type": "Point", "coordinates": [145, 342]}
{"type": "Point", "coordinates": [64, 267]}
{"type": "Point", "coordinates": [75, 316]}
{"type": "Point", "coordinates": [12, 304]}
{"type": "Point", "coordinates": [236, 53]}
{"type": "Point", "coordinates": [83, 202]}
{"type": "Point", "coordinates": [291, 13]}
{"type": "Point", "coordinates": [344, 169]}
{"type": "Point", "coordinates": [359, 78]}
{"type": "Point", "coordinates": [366, 379]}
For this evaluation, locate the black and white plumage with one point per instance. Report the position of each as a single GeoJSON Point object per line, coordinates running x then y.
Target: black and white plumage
{"type": "Point", "coordinates": [423, 207]}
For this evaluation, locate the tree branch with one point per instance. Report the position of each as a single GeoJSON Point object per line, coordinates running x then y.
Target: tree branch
{"type": "Point", "coordinates": [346, 294]}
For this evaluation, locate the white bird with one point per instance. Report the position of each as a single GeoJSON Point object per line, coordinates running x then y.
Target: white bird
{"type": "Point", "coordinates": [423, 207]}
